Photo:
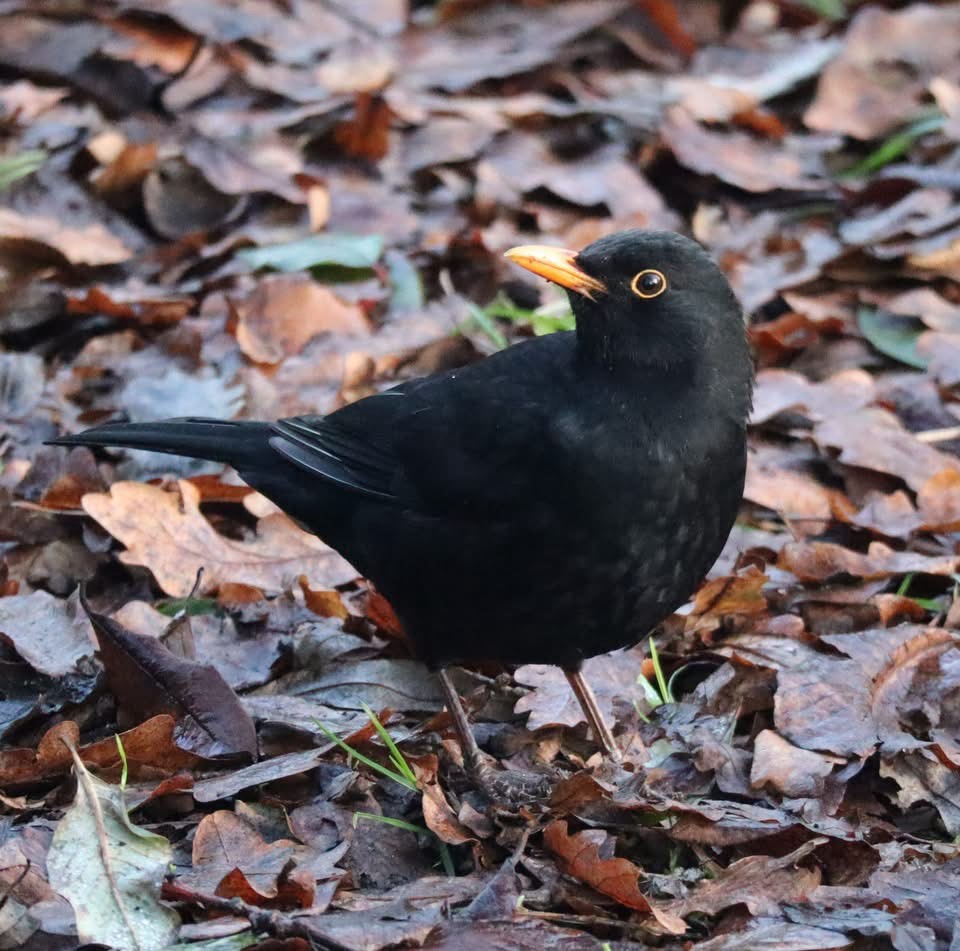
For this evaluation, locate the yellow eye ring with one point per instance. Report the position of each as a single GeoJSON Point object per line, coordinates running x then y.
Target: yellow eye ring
{"type": "Point", "coordinates": [649, 283]}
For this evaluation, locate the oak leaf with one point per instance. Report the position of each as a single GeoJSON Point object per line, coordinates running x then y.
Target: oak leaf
{"type": "Point", "coordinates": [166, 532]}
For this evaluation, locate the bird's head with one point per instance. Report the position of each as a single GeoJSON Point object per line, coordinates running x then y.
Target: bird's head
{"type": "Point", "coordinates": [649, 298]}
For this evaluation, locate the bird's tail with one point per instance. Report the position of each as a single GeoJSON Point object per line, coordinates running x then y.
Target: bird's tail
{"type": "Point", "coordinates": [234, 442]}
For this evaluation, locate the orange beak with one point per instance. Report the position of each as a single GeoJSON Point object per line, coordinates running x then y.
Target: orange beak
{"type": "Point", "coordinates": [557, 265]}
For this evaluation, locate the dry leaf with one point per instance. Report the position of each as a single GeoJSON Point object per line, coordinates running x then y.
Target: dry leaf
{"type": "Point", "coordinates": [618, 878]}
{"type": "Point", "coordinates": [286, 311]}
{"type": "Point", "coordinates": [167, 533]}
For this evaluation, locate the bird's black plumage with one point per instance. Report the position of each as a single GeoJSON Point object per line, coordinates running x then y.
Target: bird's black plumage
{"type": "Point", "coordinates": [551, 502]}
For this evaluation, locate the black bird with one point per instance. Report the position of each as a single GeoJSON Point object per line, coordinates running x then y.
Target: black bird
{"type": "Point", "coordinates": [551, 502]}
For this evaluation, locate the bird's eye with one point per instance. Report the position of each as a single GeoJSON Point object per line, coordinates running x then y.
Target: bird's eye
{"type": "Point", "coordinates": [648, 283]}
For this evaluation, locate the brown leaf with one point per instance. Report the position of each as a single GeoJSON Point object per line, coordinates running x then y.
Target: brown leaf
{"type": "Point", "coordinates": [820, 561]}
{"type": "Point", "coordinates": [92, 244]}
{"type": "Point", "coordinates": [135, 305]}
{"type": "Point", "coordinates": [286, 311]}
{"type": "Point", "coordinates": [49, 633]}
{"type": "Point", "coordinates": [781, 935]}
{"type": "Point", "coordinates": [59, 479]}
{"type": "Point", "coordinates": [148, 747]}
{"type": "Point", "coordinates": [760, 882]}
{"type": "Point", "coordinates": [147, 679]}
{"type": "Point", "coordinates": [231, 859]}
{"type": "Point", "coordinates": [580, 858]}
{"type": "Point", "coordinates": [166, 532]}
{"type": "Point", "coordinates": [938, 502]}
{"type": "Point", "coordinates": [743, 160]}
{"type": "Point", "coordinates": [850, 705]}
{"type": "Point", "coordinates": [779, 391]}
{"type": "Point", "coordinates": [787, 769]}
{"type": "Point", "coordinates": [722, 823]}
{"type": "Point", "coordinates": [737, 594]}
{"type": "Point", "coordinates": [891, 514]}
{"type": "Point", "coordinates": [437, 813]}
{"type": "Point", "coordinates": [366, 134]}
{"type": "Point", "coordinates": [880, 77]}
{"type": "Point", "coordinates": [922, 777]}
{"type": "Point", "coordinates": [497, 41]}
{"type": "Point", "coordinates": [552, 702]}
{"type": "Point", "coordinates": [780, 480]}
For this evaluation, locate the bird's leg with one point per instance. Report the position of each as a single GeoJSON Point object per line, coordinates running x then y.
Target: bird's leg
{"type": "Point", "coordinates": [472, 757]}
{"type": "Point", "coordinates": [591, 710]}
{"type": "Point", "coordinates": [510, 788]}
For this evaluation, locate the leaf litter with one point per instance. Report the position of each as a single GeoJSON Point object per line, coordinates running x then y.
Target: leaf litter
{"type": "Point", "coordinates": [290, 207]}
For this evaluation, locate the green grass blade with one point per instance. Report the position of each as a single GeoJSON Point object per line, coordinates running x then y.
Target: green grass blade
{"type": "Point", "coordinates": [650, 693]}
{"type": "Point", "coordinates": [658, 670]}
{"type": "Point", "coordinates": [905, 585]}
{"type": "Point", "coordinates": [395, 755]}
{"type": "Point", "coordinates": [487, 325]}
{"type": "Point", "coordinates": [373, 764]}
{"type": "Point", "coordinates": [15, 167]}
{"type": "Point", "coordinates": [123, 760]}
{"type": "Point", "coordinates": [894, 147]}
{"type": "Point", "coordinates": [389, 821]}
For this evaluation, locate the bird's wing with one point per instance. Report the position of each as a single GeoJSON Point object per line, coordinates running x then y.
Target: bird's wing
{"type": "Point", "coordinates": [353, 450]}
{"type": "Point", "coordinates": [466, 442]}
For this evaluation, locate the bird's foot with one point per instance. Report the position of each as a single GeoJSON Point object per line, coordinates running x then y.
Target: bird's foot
{"type": "Point", "coordinates": [510, 789]}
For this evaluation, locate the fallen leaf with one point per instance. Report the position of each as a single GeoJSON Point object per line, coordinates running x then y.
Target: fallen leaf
{"type": "Point", "coordinates": [922, 777]}
{"type": "Point", "coordinates": [366, 134]}
{"type": "Point", "coordinates": [875, 439]}
{"type": "Point", "coordinates": [319, 250]}
{"type": "Point", "coordinates": [781, 935]}
{"type": "Point", "coordinates": [882, 72]}
{"type": "Point", "coordinates": [166, 532]}
{"type": "Point", "coordinates": [781, 391]}
{"type": "Point", "coordinates": [111, 870]}
{"type": "Point", "coordinates": [230, 858]}
{"type": "Point", "coordinates": [760, 882]}
{"type": "Point", "coordinates": [851, 705]}
{"type": "Point", "coordinates": [50, 634]}
{"type": "Point", "coordinates": [496, 42]}
{"type": "Point", "coordinates": [742, 159]}
{"type": "Point", "coordinates": [938, 502]}
{"type": "Point", "coordinates": [285, 312]}
{"type": "Point", "coordinates": [735, 594]}
{"type": "Point", "coordinates": [820, 561]}
{"type": "Point", "coordinates": [552, 702]}
{"type": "Point", "coordinates": [93, 244]}
{"type": "Point", "coordinates": [787, 769]}
{"type": "Point", "coordinates": [580, 855]}
{"type": "Point", "coordinates": [781, 480]}
{"type": "Point", "coordinates": [147, 679]}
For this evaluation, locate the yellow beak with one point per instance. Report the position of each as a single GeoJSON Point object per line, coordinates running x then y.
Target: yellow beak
{"type": "Point", "coordinates": [557, 265]}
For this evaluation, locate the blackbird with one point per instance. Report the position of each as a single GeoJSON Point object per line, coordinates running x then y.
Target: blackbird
{"type": "Point", "coordinates": [551, 502]}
